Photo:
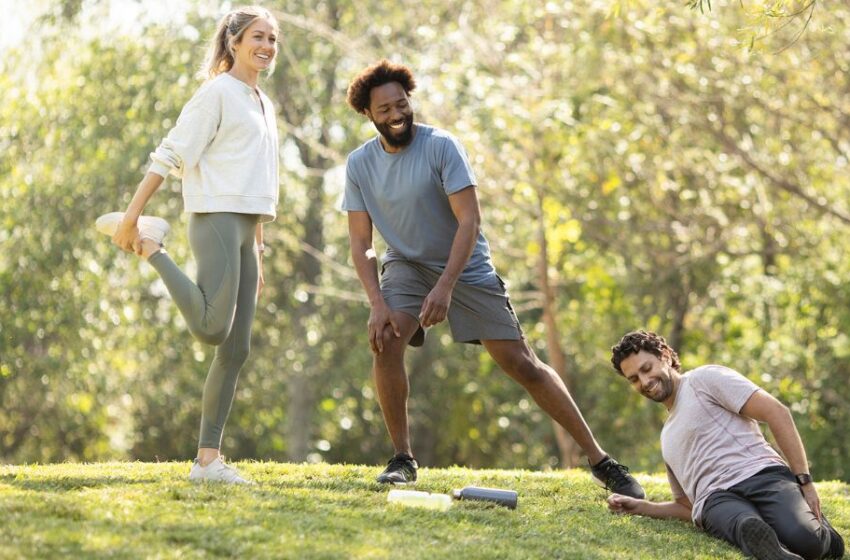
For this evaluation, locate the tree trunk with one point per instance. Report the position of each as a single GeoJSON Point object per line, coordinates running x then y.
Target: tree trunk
{"type": "Point", "coordinates": [302, 393]}
{"type": "Point", "coordinates": [680, 304]}
{"type": "Point", "coordinates": [768, 257]}
{"type": "Point", "coordinates": [299, 418]}
{"type": "Point", "coordinates": [569, 451]}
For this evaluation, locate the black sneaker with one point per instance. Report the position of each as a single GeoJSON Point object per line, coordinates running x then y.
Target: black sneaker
{"type": "Point", "coordinates": [836, 543]}
{"type": "Point", "coordinates": [615, 477]}
{"type": "Point", "coordinates": [761, 541]}
{"type": "Point", "coordinates": [401, 469]}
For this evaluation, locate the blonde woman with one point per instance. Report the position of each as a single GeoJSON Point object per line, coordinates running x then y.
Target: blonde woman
{"type": "Point", "coordinates": [224, 147]}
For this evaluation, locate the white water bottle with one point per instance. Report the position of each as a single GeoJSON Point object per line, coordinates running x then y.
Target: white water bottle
{"type": "Point", "coordinates": [412, 498]}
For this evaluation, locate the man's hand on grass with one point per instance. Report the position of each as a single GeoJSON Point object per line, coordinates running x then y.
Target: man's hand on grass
{"type": "Point", "coordinates": [620, 504]}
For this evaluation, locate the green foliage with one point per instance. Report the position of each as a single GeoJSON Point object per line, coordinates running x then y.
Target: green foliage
{"type": "Point", "coordinates": [773, 24]}
{"type": "Point", "coordinates": [132, 510]}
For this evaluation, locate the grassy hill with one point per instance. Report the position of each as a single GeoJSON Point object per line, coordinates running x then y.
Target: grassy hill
{"type": "Point", "coordinates": [145, 510]}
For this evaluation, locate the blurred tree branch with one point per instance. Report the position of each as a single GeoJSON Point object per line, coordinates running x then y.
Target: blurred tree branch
{"type": "Point", "coordinates": [769, 18]}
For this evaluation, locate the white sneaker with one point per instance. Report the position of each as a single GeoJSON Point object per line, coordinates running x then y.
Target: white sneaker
{"type": "Point", "coordinates": [216, 471]}
{"type": "Point", "coordinates": [150, 227]}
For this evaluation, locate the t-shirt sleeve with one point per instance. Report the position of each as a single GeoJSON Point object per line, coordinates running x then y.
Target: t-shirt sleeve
{"type": "Point", "coordinates": [725, 386]}
{"type": "Point", "coordinates": [455, 170]}
{"type": "Point", "coordinates": [675, 486]}
{"type": "Point", "coordinates": [352, 198]}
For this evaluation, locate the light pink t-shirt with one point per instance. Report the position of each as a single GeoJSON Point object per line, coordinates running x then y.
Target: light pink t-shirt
{"type": "Point", "coordinates": [707, 445]}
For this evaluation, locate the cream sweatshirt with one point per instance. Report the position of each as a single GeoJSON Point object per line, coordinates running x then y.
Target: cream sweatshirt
{"type": "Point", "coordinates": [225, 148]}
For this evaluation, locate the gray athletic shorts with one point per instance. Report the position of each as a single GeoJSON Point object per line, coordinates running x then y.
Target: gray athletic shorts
{"type": "Point", "coordinates": [476, 313]}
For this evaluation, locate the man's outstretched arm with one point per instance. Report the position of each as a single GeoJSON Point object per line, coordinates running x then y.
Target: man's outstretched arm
{"type": "Point", "coordinates": [464, 206]}
{"type": "Point", "coordinates": [365, 263]}
{"type": "Point", "coordinates": [763, 407]}
{"type": "Point", "coordinates": [678, 509]}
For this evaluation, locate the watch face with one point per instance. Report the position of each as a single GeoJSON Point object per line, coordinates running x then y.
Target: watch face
{"type": "Point", "coordinates": [803, 479]}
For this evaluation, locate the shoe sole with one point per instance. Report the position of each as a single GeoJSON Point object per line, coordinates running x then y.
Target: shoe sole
{"type": "Point", "coordinates": [150, 227]}
{"type": "Point", "coordinates": [395, 483]}
{"type": "Point", "coordinates": [216, 481]}
{"type": "Point", "coordinates": [602, 485]}
{"type": "Point", "coordinates": [762, 542]}
{"type": "Point", "coordinates": [200, 479]}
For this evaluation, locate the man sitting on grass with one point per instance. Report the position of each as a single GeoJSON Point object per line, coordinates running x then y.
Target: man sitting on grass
{"type": "Point", "coordinates": [723, 474]}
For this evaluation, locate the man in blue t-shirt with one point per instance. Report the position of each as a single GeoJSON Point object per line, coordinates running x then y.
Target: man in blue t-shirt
{"type": "Point", "coordinates": [415, 185]}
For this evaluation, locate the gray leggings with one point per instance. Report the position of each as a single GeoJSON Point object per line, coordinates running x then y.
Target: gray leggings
{"type": "Point", "coordinates": [219, 309]}
{"type": "Point", "coordinates": [773, 495]}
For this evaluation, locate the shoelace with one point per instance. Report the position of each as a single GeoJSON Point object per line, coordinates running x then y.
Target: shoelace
{"type": "Point", "coordinates": [618, 472]}
{"type": "Point", "coordinates": [230, 473]}
{"type": "Point", "coordinates": [398, 463]}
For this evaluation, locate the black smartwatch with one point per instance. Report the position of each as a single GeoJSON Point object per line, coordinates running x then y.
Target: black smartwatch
{"type": "Point", "coordinates": [803, 478]}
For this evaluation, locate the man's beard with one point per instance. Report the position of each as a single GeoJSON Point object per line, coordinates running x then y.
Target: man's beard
{"type": "Point", "coordinates": [664, 391]}
{"type": "Point", "coordinates": [393, 138]}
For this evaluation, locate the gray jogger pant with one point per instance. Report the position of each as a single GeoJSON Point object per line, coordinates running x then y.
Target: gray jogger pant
{"type": "Point", "coordinates": [773, 495]}
{"type": "Point", "coordinates": [219, 308]}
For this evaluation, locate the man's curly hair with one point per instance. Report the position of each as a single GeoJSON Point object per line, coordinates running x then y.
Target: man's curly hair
{"type": "Point", "coordinates": [634, 342]}
{"type": "Point", "coordinates": [376, 75]}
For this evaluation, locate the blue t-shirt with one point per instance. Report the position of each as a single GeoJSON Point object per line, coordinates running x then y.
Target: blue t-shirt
{"type": "Point", "coordinates": [407, 197]}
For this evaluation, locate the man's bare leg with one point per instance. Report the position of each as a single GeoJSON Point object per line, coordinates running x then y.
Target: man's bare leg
{"type": "Point", "coordinates": [548, 390]}
{"type": "Point", "coordinates": [391, 381]}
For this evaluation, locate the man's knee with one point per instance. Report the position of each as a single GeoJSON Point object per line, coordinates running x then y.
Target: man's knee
{"type": "Point", "coordinates": [393, 349]}
{"type": "Point", "coordinates": [395, 346]}
{"type": "Point", "coordinates": [527, 369]}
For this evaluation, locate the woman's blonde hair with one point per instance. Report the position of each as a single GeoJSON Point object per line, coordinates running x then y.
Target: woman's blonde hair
{"type": "Point", "coordinates": [229, 32]}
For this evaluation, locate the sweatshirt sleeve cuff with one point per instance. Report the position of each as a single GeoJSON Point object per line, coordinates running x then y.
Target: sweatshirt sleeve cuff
{"type": "Point", "coordinates": [159, 168]}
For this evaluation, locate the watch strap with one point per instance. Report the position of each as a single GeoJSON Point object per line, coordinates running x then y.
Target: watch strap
{"type": "Point", "coordinates": [803, 478]}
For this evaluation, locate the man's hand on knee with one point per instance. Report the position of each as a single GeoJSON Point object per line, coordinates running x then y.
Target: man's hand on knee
{"type": "Point", "coordinates": [810, 494]}
{"type": "Point", "coordinates": [382, 327]}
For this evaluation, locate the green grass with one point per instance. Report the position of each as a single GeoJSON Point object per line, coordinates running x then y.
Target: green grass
{"type": "Point", "coordinates": [144, 510]}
